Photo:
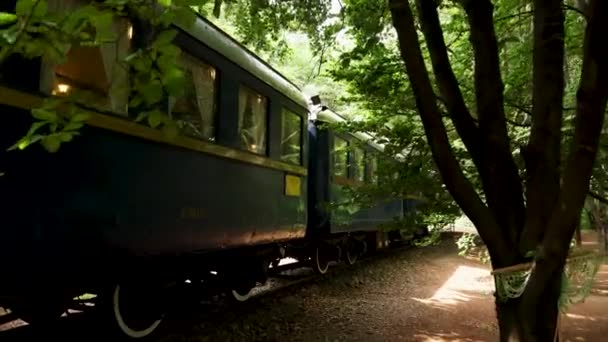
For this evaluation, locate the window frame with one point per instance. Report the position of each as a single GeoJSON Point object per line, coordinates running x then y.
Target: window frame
{"type": "Point", "coordinates": [346, 161]}
{"type": "Point", "coordinates": [357, 162]}
{"type": "Point", "coordinates": [371, 172]}
{"type": "Point", "coordinates": [284, 112]}
{"type": "Point", "coordinates": [215, 118]}
{"type": "Point", "coordinates": [50, 81]}
{"type": "Point", "coordinates": [267, 119]}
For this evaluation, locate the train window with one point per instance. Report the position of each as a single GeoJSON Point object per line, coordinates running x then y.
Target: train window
{"type": "Point", "coordinates": [373, 169]}
{"type": "Point", "coordinates": [340, 153]}
{"type": "Point", "coordinates": [94, 69]}
{"type": "Point", "coordinates": [359, 159]}
{"type": "Point", "coordinates": [195, 111]}
{"type": "Point", "coordinates": [291, 137]}
{"type": "Point", "coordinates": [253, 112]}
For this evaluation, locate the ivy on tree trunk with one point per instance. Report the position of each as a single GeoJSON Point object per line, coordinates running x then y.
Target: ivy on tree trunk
{"type": "Point", "coordinates": [511, 226]}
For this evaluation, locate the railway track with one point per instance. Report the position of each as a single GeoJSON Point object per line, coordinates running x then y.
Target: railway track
{"type": "Point", "coordinates": [80, 319]}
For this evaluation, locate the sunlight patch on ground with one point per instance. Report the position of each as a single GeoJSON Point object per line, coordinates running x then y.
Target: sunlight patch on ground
{"type": "Point", "coordinates": [8, 322]}
{"type": "Point", "coordinates": [444, 337]}
{"type": "Point", "coordinates": [466, 282]}
{"type": "Point", "coordinates": [581, 317]}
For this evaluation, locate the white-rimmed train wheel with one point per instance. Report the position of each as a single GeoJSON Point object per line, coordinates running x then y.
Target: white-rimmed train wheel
{"type": "Point", "coordinates": [320, 260]}
{"type": "Point", "coordinates": [132, 311]}
{"type": "Point", "coordinates": [241, 295]}
{"type": "Point", "coordinates": [351, 256]}
{"type": "Point", "coordinates": [353, 250]}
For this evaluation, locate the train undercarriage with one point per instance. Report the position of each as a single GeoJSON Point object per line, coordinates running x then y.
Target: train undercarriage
{"type": "Point", "coordinates": [133, 301]}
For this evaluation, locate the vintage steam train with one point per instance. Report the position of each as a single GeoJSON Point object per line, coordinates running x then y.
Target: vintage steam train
{"type": "Point", "coordinates": [129, 214]}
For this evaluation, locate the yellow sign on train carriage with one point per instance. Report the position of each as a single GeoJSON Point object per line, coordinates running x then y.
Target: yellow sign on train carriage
{"type": "Point", "coordinates": [293, 185]}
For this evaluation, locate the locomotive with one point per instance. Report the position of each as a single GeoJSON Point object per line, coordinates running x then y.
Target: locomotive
{"type": "Point", "coordinates": [132, 215]}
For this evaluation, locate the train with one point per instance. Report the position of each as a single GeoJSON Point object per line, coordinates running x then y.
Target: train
{"type": "Point", "coordinates": [133, 216]}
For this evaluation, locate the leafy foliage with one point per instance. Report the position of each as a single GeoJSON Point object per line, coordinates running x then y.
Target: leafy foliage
{"type": "Point", "coordinates": [33, 31]}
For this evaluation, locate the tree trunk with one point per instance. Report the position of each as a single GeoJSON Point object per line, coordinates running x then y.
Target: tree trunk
{"type": "Point", "coordinates": [551, 220]}
{"type": "Point", "coordinates": [525, 321]}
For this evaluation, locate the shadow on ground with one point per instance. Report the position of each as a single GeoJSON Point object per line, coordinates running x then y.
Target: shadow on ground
{"type": "Point", "coordinates": [421, 295]}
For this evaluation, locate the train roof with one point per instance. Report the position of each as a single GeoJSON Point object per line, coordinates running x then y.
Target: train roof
{"type": "Point", "coordinates": [218, 40]}
{"type": "Point", "coordinates": [331, 116]}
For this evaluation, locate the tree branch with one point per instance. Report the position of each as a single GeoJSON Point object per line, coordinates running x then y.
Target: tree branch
{"type": "Point", "coordinates": [456, 182]}
{"type": "Point", "coordinates": [446, 80]}
{"type": "Point", "coordinates": [543, 150]}
{"type": "Point", "coordinates": [598, 197]}
{"type": "Point", "coordinates": [519, 14]}
{"type": "Point", "coordinates": [517, 124]}
{"type": "Point", "coordinates": [582, 10]}
{"type": "Point", "coordinates": [502, 184]}
{"type": "Point", "coordinates": [217, 8]}
{"type": "Point", "coordinates": [591, 103]}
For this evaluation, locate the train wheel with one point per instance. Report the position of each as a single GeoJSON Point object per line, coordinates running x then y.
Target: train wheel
{"type": "Point", "coordinates": [241, 290]}
{"type": "Point", "coordinates": [136, 311]}
{"type": "Point", "coordinates": [320, 260]}
{"type": "Point", "coordinates": [241, 295]}
{"type": "Point", "coordinates": [351, 254]}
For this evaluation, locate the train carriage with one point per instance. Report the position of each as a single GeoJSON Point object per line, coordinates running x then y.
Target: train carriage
{"type": "Point", "coordinates": [338, 161]}
{"type": "Point", "coordinates": [129, 213]}
{"type": "Point", "coordinates": [124, 210]}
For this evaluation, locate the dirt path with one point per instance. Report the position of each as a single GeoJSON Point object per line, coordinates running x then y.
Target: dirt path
{"type": "Point", "coordinates": [588, 321]}
{"type": "Point", "coordinates": [426, 294]}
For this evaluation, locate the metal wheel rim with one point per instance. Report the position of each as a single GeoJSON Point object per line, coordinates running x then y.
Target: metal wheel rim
{"type": "Point", "coordinates": [351, 257]}
{"type": "Point", "coordinates": [124, 327]}
{"type": "Point", "coordinates": [321, 270]}
{"type": "Point", "coordinates": [239, 297]}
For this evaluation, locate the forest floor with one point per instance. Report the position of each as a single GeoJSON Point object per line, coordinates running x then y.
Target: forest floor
{"type": "Point", "coordinates": [416, 294]}
{"type": "Point", "coordinates": [421, 294]}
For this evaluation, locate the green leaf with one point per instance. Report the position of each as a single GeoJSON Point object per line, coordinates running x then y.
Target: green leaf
{"type": "Point", "coordinates": [43, 114]}
{"type": "Point", "coordinates": [51, 142]}
{"type": "Point", "coordinates": [65, 136]}
{"type": "Point", "coordinates": [80, 117]}
{"type": "Point", "coordinates": [79, 18]}
{"type": "Point", "coordinates": [155, 118]}
{"type": "Point", "coordinates": [170, 130]}
{"type": "Point", "coordinates": [152, 92]}
{"type": "Point", "coordinates": [136, 101]}
{"type": "Point", "coordinates": [132, 57]}
{"type": "Point", "coordinates": [7, 18]}
{"type": "Point", "coordinates": [141, 116]}
{"type": "Point", "coordinates": [24, 142]}
{"type": "Point", "coordinates": [187, 2]}
{"type": "Point", "coordinates": [174, 81]}
{"type": "Point", "coordinates": [37, 8]}
{"type": "Point", "coordinates": [165, 38]}
{"type": "Point", "coordinates": [184, 15]}
{"type": "Point", "coordinates": [41, 9]}
{"type": "Point", "coordinates": [167, 18]}
{"type": "Point", "coordinates": [142, 64]}
{"type": "Point", "coordinates": [73, 126]}
{"type": "Point", "coordinates": [103, 27]}
{"type": "Point", "coordinates": [171, 51]}
{"type": "Point", "coordinates": [10, 35]}
{"type": "Point", "coordinates": [165, 3]}
{"type": "Point", "coordinates": [35, 126]}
